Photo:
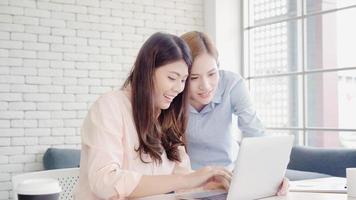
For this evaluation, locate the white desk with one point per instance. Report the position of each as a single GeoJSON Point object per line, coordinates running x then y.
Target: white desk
{"type": "Point", "coordinates": [290, 196]}
{"type": "Point", "coordinates": [311, 196]}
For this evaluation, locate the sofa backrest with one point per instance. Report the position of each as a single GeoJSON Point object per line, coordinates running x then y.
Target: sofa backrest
{"type": "Point", "coordinates": [320, 160]}
{"type": "Point", "coordinates": [61, 158]}
{"type": "Point", "coordinates": [332, 161]}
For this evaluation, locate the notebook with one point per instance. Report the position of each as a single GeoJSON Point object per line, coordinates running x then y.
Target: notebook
{"type": "Point", "coordinates": [327, 185]}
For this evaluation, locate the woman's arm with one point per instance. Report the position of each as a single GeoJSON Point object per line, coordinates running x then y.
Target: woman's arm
{"type": "Point", "coordinates": [102, 137]}
{"type": "Point", "coordinates": [160, 184]}
{"type": "Point", "coordinates": [184, 166]}
{"type": "Point", "coordinates": [248, 121]}
{"type": "Point", "coordinates": [103, 150]}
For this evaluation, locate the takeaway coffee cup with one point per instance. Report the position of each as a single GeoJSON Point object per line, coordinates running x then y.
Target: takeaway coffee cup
{"type": "Point", "coordinates": [351, 181]}
{"type": "Point", "coordinates": [38, 189]}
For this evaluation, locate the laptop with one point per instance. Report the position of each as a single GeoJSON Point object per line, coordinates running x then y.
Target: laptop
{"type": "Point", "coordinates": [258, 172]}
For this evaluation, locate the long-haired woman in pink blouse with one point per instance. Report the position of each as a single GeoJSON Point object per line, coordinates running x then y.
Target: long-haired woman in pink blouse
{"type": "Point", "coordinates": [133, 139]}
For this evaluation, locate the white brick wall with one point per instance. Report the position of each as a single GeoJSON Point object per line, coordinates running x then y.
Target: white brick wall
{"type": "Point", "coordinates": [58, 56]}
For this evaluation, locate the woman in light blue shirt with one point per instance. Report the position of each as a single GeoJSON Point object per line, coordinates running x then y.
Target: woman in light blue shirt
{"type": "Point", "coordinates": [215, 96]}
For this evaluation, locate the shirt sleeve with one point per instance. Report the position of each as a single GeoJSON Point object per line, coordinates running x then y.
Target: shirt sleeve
{"type": "Point", "coordinates": [247, 120]}
{"type": "Point", "coordinates": [184, 166]}
{"type": "Point", "coordinates": [102, 133]}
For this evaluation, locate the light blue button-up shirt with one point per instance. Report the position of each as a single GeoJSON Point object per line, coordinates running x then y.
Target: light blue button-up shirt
{"type": "Point", "coordinates": [210, 137]}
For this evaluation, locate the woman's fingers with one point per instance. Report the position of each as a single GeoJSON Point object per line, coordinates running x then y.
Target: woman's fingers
{"type": "Point", "coordinates": [223, 172]}
{"type": "Point", "coordinates": [213, 185]}
{"type": "Point", "coordinates": [226, 184]}
{"type": "Point", "coordinates": [283, 189]}
{"type": "Point", "coordinates": [204, 176]}
{"type": "Point", "coordinates": [223, 176]}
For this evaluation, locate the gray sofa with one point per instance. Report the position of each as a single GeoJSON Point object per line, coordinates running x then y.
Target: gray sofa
{"type": "Point", "coordinates": [61, 158]}
{"type": "Point", "coordinates": [305, 162]}
{"type": "Point", "coordinates": [328, 161]}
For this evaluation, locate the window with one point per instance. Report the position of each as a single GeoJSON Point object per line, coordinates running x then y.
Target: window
{"type": "Point", "coordinates": [300, 66]}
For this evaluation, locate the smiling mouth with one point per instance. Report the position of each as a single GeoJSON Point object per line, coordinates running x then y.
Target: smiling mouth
{"type": "Point", "coordinates": [205, 94]}
{"type": "Point", "coordinates": [169, 98]}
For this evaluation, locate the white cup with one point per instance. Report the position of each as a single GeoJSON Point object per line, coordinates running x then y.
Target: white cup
{"type": "Point", "coordinates": [38, 189]}
{"type": "Point", "coordinates": [351, 181]}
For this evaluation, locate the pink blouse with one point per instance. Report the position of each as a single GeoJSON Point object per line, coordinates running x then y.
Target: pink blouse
{"type": "Point", "coordinates": [110, 168]}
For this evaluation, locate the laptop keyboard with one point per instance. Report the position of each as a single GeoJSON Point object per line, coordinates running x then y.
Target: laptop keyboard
{"type": "Point", "coordinates": [215, 197]}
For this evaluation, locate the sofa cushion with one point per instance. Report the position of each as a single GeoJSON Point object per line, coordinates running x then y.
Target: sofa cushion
{"type": "Point", "coordinates": [68, 158]}
{"type": "Point", "coordinates": [61, 158]}
{"type": "Point", "coordinates": [322, 160]}
{"type": "Point", "coordinates": [295, 175]}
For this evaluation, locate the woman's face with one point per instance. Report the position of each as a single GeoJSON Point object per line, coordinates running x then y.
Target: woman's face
{"type": "Point", "coordinates": [204, 79]}
{"type": "Point", "coordinates": [169, 81]}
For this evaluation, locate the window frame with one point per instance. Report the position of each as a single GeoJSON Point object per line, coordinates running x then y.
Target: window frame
{"type": "Point", "coordinates": [246, 72]}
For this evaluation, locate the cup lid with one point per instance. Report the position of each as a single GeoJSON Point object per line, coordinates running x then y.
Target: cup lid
{"type": "Point", "coordinates": [37, 186]}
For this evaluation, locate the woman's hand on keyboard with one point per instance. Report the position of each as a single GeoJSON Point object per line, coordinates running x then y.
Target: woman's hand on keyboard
{"type": "Point", "coordinates": [206, 175]}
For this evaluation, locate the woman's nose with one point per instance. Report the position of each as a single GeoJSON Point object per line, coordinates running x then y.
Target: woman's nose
{"type": "Point", "coordinates": [204, 84]}
{"type": "Point", "coordinates": [179, 86]}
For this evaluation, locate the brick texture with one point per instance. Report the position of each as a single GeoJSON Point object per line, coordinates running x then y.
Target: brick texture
{"type": "Point", "coordinates": [58, 56]}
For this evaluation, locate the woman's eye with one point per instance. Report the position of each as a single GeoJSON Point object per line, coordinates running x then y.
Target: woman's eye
{"type": "Point", "coordinates": [212, 74]}
{"type": "Point", "coordinates": [193, 78]}
{"type": "Point", "coordinates": [171, 78]}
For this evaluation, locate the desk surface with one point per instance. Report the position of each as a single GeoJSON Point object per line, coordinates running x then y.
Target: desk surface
{"type": "Point", "coordinates": [311, 196]}
{"type": "Point", "coordinates": [290, 196]}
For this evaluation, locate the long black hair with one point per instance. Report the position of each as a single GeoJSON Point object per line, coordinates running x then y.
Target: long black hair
{"type": "Point", "coordinates": [168, 131]}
